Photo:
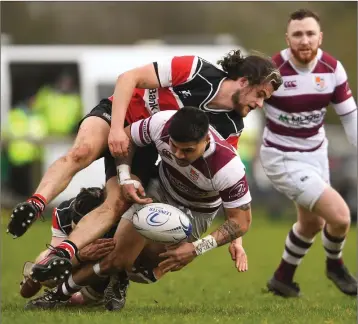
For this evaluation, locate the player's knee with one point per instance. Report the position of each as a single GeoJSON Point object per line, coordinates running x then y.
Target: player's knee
{"type": "Point", "coordinates": [342, 219]}
{"type": "Point", "coordinates": [311, 226]}
{"type": "Point", "coordinates": [81, 155]}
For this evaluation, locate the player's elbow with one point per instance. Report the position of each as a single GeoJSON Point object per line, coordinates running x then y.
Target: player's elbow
{"type": "Point", "coordinates": [243, 219]}
{"type": "Point", "coordinates": [245, 223]}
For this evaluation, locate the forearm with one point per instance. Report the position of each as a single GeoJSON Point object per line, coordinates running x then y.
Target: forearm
{"type": "Point", "coordinates": [127, 160]}
{"type": "Point", "coordinates": [123, 91]}
{"type": "Point", "coordinates": [237, 224]}
{"type": "Point", "coordinates": [349, 123]}
{"type": "Point", "coordinates": [229, 231]}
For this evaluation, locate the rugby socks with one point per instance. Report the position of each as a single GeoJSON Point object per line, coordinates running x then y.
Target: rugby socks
{"type": "Point", "coordinates": [333, 246]}
{"type": "Point", "coordinates": [68, 288]}
{"type": "Point", "coordinates": [296, 247]}
{"type": "Point", "coordinates": [68, 248]}
{"type": "Point", "coordinates": [39, 202]}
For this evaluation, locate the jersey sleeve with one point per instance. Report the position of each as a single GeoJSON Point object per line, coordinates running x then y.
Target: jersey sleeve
{"type": "Point", "coordinates": [176, 70]}
{"type": "Point", "coordinates": [342, 99]}
{"type": "Point", "coordinates": [147, 131]}
{"type": "Point", "coordinates": [56, 229]}
{"type": "Point", "coordinates": [232, 184]}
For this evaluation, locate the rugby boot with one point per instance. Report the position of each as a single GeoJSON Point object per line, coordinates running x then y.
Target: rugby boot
{"type": "Point", "coordinates": [24, 215]}
{"type": "Point", "coordinates": [283, 289]}
{"type": "Point", "coordinates": [56, 266]}
{"type": "Point", "coordinates": [344, 281]}
{"type": "Point", "coordinates": [48, 300]}
{"type": "Point", "coordinates": [116, 292]}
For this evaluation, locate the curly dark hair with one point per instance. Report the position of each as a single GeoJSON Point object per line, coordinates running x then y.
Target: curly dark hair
{"type": "Point", "coordinates": [256, 68]}
{"type": "Point", "coordinates": [87, 200]}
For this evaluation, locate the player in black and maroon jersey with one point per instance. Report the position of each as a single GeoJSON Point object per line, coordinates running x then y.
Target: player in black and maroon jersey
{"type": "Point", "coordinates": [226, 95]}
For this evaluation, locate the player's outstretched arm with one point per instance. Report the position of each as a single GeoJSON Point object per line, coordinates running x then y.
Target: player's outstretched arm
{"type": "Point", "coordinates": [143, 77]}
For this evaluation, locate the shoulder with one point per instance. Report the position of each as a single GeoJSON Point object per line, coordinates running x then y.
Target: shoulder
{"type": "Point", "coordinates": [327, 60]}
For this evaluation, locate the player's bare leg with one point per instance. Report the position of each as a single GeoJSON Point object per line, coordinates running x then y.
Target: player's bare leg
{"type": "Point", "coordinates": [93, 226]}
{"type": "Point", "coordinates": [335, 211]}
{"type": "Point", "coordinates": [298, 241]}
{"type": "Point", "coordinates": [89, 144]}
{"type": "Point", "coordinates": [335, 214]}
{"type": "Point", "coordinates": [129, 244]}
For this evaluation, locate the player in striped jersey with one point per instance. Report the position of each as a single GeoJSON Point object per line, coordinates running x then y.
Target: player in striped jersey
{"type": "Point", "coordinates": [226, 95]}
{"type": "Point", "coordinates": [294, 150]}
{"type": "Point", "coordinates": [198, 172]}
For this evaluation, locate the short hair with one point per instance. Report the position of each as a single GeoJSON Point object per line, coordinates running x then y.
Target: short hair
{"type": "Point", "coordinates": [256, 68]}
{"type": "Point", "coordinates": [189, 124]}
{"type": "Point", "coordinates": [302, 14]}
{"type": "Point", "coordinates": [87, 200]}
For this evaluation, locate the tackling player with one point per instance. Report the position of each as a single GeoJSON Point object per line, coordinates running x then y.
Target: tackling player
{"type": "Point", "coordinates": [294, 151]}
{"type": "Point", "coordinates": [225, 95]}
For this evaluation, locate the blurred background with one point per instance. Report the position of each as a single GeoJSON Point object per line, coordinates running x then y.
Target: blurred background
{"type": "Point", "coordinates": [59, 59]}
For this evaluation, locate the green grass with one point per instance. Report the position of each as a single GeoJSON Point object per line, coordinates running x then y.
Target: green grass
{"type": "Point", "coordinates": [207, 291]}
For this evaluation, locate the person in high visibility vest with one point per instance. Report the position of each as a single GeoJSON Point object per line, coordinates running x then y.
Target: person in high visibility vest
{"type": "Point", "coordinates": [60, 105]}
{"type": "Point", "coordinates": [21, 129]}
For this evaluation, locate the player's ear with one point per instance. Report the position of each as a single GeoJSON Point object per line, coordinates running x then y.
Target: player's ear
{"type": "Point", "coordinates": [320, 39]}
{"type": "Point", "coordinates": [207, 139]}
{"type": "Point", "coordinates": [243, 82]}
{"type": "Point", "coordinates": [287, 41]}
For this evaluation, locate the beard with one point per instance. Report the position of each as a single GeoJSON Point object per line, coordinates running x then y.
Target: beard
{"type": "Point", "coordinates": [237, 105]}
{"type": "Point", "coordinates": [304, 59]}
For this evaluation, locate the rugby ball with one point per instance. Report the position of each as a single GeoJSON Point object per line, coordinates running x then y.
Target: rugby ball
{"type": "Point", "coordinates": [162, 223]}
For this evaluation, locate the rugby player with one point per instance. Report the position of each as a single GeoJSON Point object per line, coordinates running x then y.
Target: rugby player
{"type": "Point", "coordinates": [198, 172]}
{"type": "Point", "coordinates": [294, 151]}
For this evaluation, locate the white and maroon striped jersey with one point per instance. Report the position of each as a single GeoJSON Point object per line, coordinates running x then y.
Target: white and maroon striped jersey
{"type": "Point", "coordinates": [295, 112]}
{"type": "Point", "coordinates": [186, 81]}
{"type": "Point", "coordinates": [215, 178]}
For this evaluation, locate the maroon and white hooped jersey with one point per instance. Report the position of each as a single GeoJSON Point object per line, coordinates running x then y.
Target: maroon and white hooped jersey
{"type": "Point", "coordinates": [217, 177]}
{"type": "Point", "coordinates": [295, 112]}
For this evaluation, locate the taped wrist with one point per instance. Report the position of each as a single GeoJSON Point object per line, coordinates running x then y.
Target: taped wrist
{"type": "Point", "coordinates": [205, 244]}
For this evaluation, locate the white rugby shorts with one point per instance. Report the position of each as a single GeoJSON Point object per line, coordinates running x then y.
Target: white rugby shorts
{"type": "Point", "coordinates": [200, 222]}
{"type": "Point", "coordinates": [301, 176]}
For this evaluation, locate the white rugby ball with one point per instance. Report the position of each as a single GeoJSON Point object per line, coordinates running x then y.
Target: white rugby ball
{"type": "Point", "coordinates": [162, 223]}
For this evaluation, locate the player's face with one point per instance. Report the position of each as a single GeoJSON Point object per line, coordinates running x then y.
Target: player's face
{"type": "Point", "coordinates": [304, 37]}
{"type": "Point", "coordinates": [251, 97]}
{"type": "Point", "coordinates": [188, 152]}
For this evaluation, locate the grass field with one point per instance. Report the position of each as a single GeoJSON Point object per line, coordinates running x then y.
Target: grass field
{"type": "Point", "coordinates": [207, 291]}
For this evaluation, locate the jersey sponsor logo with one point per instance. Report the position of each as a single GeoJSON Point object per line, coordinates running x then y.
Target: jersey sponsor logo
{"type": "Point", "coordinates": [299, 120]}
{"type": "Point", "coordinates": [238, 190]}
{"type": "Point", "coordinates": [145, 131]}
{"type": "Point", "coordinates": [193, 175]}
{"type": "Point", "coordinates": [184, 188]}
{"type": "Point", "coordinates": [153, 101]}
{"type": "Point", "coordinates": [289, 85]}
{"type": "Point", "coordinates": [320, 84]}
